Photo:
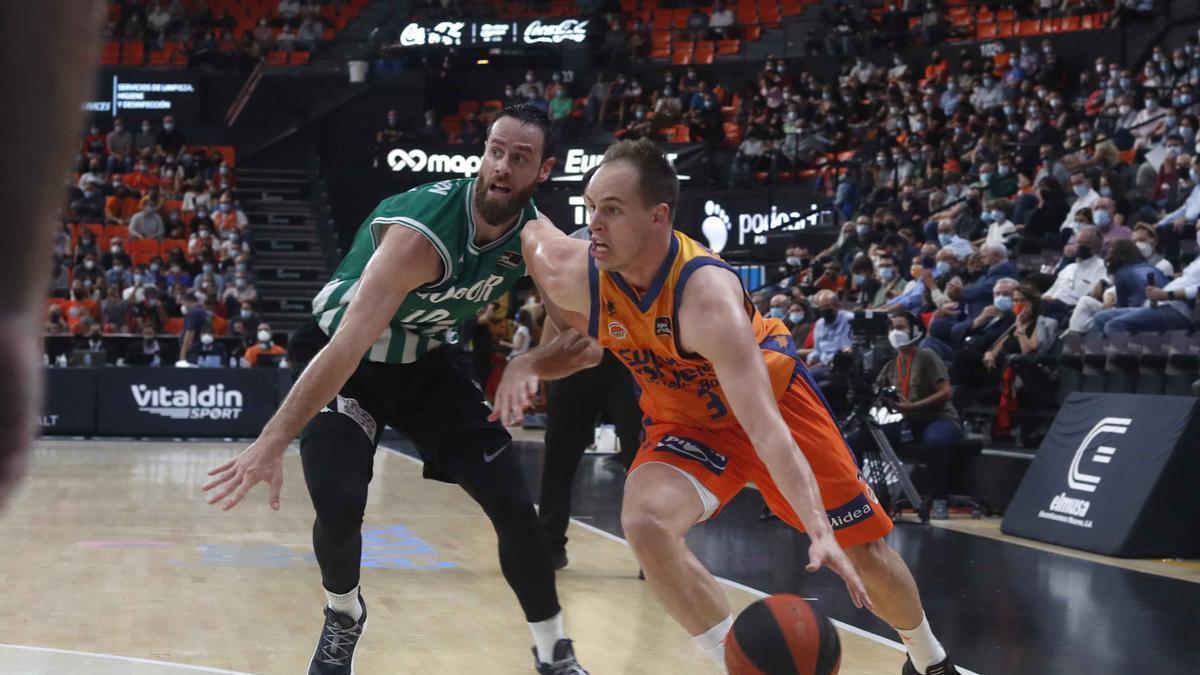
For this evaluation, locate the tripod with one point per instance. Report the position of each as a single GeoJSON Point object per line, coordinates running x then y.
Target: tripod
{"type": "Point", "coordinates": [882, 469]}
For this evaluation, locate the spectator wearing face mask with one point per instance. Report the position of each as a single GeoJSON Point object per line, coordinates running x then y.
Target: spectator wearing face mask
{"type": "Point", "coordinates": [1085, 197]}
{"type": "Point", "coordinates": [949, 240]}
{"type": "Point", "coordinates": [208, 278]}
{"type": "Point", "coordinates": [151, 312]}
{"type": "Point", "coordinates": [195, 319]}
{"type": "Point", "coordinates": [177, 275]}
{"type": "Point", "coordinates": [119, 206]}
{"type": "Point", "coordinates": [202, 240]}
{"type": "Point", "coordinates": [116, 255]}
{"type": "Point", "coordinates": [1170, 306]}
{"type": "Point", "coordinates": [923, 384]}
{"type": "Point", "coordinates": [1078, 278]}
{"type": "Point", "coordinates": [1110, 223]}
{"type": "Point", "coordinates": [207, 353]}
{"type": "Point", "coordinates": [92, 339]}
{"type": "Point", "coordinates": [134, 292]}
{"type": "Point", "coordinates": [146, 352]}
{"type": "Point", "coordinates": [1145, 237]}
{"type": "Point", "coordinates": [88, 272]}
{"type": "Point", "coordinates": [89, 207]}
{"type": "Point", "coordinates": [1130, 274]}
{"type": "Point", "coordinates": [119, 145]}
{"type": "Point", "coordinates": [1000, 229]}
{"type": "Point", "coordinates": [228, 216]}
{"type": "Point", "coordinates": [265, 344]}
{"type": "Point", "coordinates": [142, 178]}
{"type": "Point", "coordinates": [147, 224]}
{"type": "Point", "coordinates": [891, 282]}
{"type": "Point", "coordinates": [531, 87]}
{"type": "Point", "coordinates": [145, 138]}
{"type": "Point", "coordinates": [170, 140]}
{"type": "Point", "coordinates": [432, 132]}
{"type": "Point", "coordinates": [831, 334]}
{"type": "Point", "coordinates": [80, 304]}
{"type": "Point", "coordinates": [864, 285]}
{"type": "Point", "coordinates": [114, 311]}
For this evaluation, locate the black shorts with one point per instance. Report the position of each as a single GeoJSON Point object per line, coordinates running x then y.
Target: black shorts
{"type": "Point", "coordinates": [435, 401]}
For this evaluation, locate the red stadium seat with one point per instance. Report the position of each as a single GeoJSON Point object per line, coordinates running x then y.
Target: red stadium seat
{"type": "Point", "coordinates": [277, 57]}
{"type": "Point", "coordinates": [299, 59]}
{"type": "Point", "coordinates": [116, 231]}
{"type": "Point", "coordinates": [133, 53]}
{"type": "Point", "coordinates": [227, 153]}
{"type": "Point", "coordinates": [110, 55]}
{"type": "Point", "coordinates": [752, 33]}
{"type": "Point", "coordinates": [986, 31]}
{"type": "Point", "coordinates": [1071, 23]}
{"type": "Point", "coordinates": [173, 326]}
{"type": "Point", "coordinates": [168, 245]}
{"type": "Point", "coordinates": [1029, 27]}
{"type": "Point", "coordinates": [728, 47]}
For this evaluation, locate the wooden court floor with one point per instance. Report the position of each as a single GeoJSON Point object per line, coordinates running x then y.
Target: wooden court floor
{"type": "Point", "coordinates": [114, 564]}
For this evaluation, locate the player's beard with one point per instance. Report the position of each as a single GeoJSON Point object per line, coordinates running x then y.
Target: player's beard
{"type": "Point", "coordinates": [497, 209]}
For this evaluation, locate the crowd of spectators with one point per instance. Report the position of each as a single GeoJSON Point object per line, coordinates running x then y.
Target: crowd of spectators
{"type": "Point", "coordinates": [1009, 205]}
{"type": "Point", "coordinates": [216, 37]}
{"type": "Point", "coordinates": [153, 242]}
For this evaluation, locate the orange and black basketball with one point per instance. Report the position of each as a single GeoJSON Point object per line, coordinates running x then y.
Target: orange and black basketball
{"type": "Point", "coordinates": [782, 635]}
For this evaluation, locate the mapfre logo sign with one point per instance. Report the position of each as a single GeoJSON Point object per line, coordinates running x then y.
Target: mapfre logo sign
{"type": "Point", "coordinates": [1073, 510]}
{"type": "Point", "coordinates": [214, 402]}
{"type": "Point", "coordinates": [419, 161]}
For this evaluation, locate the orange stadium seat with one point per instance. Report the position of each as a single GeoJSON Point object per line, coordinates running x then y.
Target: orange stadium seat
{"type": "Point", "coordinates": [728, 47]}
{"type": "Point", "coordinates": [168, 245]}
{"type": "Point", "coordinates": [142, 246]}
{"type": "Point", "coordinates": [173, 326]}
{"type": "Point", "coordinates": [299, 58]}
{"type": "Point", "coordinates": [277, 57]}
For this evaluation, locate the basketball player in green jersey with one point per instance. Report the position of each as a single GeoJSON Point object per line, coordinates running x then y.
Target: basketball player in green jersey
{"type": "Point", "coordinates": [376, 354]}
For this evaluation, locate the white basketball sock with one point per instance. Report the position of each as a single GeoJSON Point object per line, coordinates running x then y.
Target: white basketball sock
{"type": "Point", "coordinates": [545, 635]}
{"type": "Point", "coordinates": [712, 641]}
{"type": "Point", "coordinates": [346, 603]}
{"type": "Point", "coordinates": [923, 647]}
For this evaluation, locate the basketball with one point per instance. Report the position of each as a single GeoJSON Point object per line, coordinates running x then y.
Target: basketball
{"type": "Point", "coordinates": [782, 635]}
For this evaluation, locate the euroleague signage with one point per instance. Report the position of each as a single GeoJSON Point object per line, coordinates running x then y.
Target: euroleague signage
{"type": "Point", "coordinates": [577, 162]}
{"type": "Point", "coordinates": [516, 33]}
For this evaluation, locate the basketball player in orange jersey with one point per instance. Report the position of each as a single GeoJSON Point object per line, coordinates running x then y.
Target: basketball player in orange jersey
{"type": "Point", "coordinates": [48, 52]}
{"type": "Point", "coordinates": [726, 399]}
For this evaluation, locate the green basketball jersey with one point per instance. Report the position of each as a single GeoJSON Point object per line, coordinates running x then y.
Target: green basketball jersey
{"type": "Point", "coordinates": [472, 276]}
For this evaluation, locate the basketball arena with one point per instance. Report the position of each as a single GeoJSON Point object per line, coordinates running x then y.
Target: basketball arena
{"type": "Point", "coordinates": [601, 336]}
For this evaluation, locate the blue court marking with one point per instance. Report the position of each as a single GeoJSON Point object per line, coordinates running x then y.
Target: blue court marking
{"type": "Point", "coordinates": [384, 547]}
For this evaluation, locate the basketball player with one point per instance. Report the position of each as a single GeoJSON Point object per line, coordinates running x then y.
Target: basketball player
{"type": "Point", "coordinates": [726, 399]}
{"type": "Point", "coordinates": [423, 262]}
{"type": "Point", "coordinates": [47, 64]}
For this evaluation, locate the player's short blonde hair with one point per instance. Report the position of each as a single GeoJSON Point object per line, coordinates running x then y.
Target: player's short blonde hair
{"type": "Point", "coordinates": [657, 181]}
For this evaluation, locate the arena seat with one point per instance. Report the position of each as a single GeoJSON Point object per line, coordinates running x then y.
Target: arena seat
{"type": "Point", "coordinates": [132, 53]}
{"type": "Point", "coordinates": [168, 245]}
{"type": "Point", "coordinates": [121, 231]}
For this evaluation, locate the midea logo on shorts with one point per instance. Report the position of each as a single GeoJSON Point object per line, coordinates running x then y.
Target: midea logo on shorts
{"type": "Point", "coordinates": [193, 403]}
{"type": "Point", "coordinates": [418, 161]}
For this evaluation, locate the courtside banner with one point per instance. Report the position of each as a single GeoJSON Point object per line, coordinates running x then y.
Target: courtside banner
{"type": "Point", "coordinates": [69, 406]}
{"type": "Point", "coordinates": [233, 402]}
{"type": "Point", "coordinates": [1117, 474]}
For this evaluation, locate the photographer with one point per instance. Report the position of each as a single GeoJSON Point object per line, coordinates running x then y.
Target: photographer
{"type": "Point", "coordinates": [922, 389]}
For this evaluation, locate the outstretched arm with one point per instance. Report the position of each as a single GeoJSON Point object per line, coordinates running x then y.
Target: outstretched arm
{"type": "Point", "coordinates": [565, 349]}
{"type": "Point", "coordinates": [404, 261]}
{"type": "Point", "coordinates": [714, 324]}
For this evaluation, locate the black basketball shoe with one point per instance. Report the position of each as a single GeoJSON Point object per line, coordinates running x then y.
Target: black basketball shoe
{"type": "Point", "coordinates": [339, 637]}
{"type": "Point", "coordinates": [564, 661]}
{"type": "Point", "coordinates": [943, 668]}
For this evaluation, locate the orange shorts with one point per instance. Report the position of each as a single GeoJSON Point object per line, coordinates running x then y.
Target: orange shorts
{"type": "Point", "coordinates": [723, 461]}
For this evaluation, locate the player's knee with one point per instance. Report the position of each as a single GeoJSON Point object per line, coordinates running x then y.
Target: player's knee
{"type": "Point", "coordinates": [647, 527]}
{"type": "Point", "coordinates": [870, 555]}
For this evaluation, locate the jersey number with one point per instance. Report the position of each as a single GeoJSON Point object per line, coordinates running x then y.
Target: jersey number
{"type": "Point", "coordinates": [426, 316]}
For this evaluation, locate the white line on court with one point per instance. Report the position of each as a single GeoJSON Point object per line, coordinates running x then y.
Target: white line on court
{"type": "Point", "coordinates": [127, 659]}
{"type": "Point", "coordinates": [728, 582]}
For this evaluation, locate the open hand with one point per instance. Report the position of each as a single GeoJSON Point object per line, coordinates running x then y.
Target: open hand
{"type": "Point", "coordinates": [262, 461]}
{"type": "Point", "coordinates": [826, 551]}
{"type": "Point", "coordinates": [516, 393]}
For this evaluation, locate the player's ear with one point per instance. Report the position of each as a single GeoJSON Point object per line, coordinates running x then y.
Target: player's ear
{"type": "Point", "coordinates": [660, 215]}
{"type": "Point", "coordinates": [544, 171]}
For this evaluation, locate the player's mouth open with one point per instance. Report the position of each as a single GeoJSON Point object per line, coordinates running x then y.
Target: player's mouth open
{"type": "Point", "coordinates": [599, 249]}
{"type": "Point", "coordinates": [499, 189]}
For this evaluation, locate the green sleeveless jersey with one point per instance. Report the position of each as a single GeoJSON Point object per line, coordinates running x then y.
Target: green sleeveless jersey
{"type": "Point", "coordinates": [472, 276]}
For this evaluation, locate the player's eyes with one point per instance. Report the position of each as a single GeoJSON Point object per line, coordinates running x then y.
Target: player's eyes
{"type": "Point", "coordinates": [613, 211]}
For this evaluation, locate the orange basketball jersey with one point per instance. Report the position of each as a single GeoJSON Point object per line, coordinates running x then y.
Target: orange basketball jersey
{"type": "Point", "coordinates": [642, 330]}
